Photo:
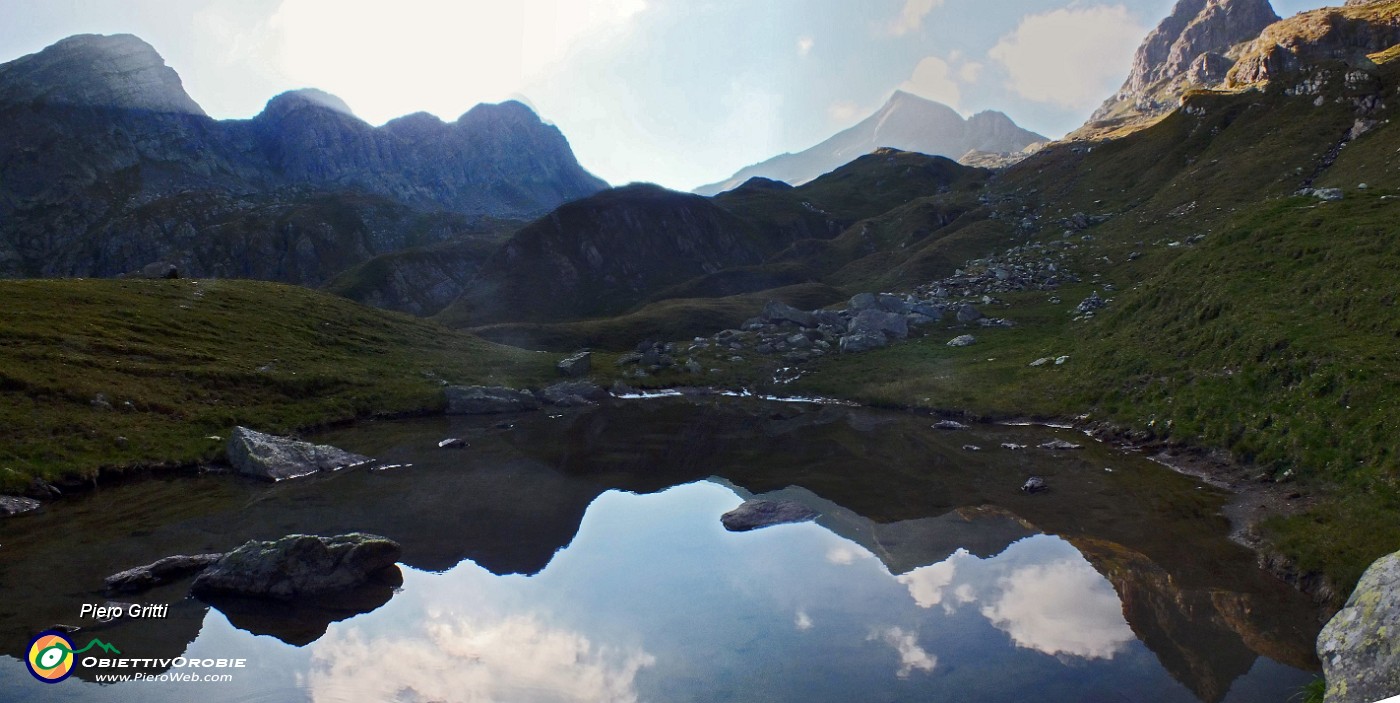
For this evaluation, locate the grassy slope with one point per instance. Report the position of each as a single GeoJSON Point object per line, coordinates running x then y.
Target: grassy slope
{"type": "Point", "coordinates": [194, 358]}
{"type": "Point", "coordinates": [1275, 337]}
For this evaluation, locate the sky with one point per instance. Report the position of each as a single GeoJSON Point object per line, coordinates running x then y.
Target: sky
{"type": "Point", "coordinates": [675, 92]}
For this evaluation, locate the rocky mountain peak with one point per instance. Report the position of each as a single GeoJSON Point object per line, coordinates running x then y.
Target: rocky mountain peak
{"type": "Point", "coordinates": [1346, 34]}
{"type": "Point", "coordinates": [1170, 58]}
{"type": "Point", "coordinates": [91, 70]}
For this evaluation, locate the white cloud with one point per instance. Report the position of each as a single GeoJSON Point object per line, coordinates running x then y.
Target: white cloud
{"type": "Point", "coordinates": [841, 555]}
{"type": "Point", "coordinates": [803, 622]}
{"type": "Point", "coordinates": [933, 79]}
{"type": "Point", "coordinates": [911, 655]}
{"type": "Point", "coordinates": [1061, 608]}
{"type": "Point", "coordinates": [804, 46]}
{"type": "Point", "coordinates": [911, 18]}
{"type": "Point", "coordinates": [1072, 57]}
{"type": "Point", "coordinates": [926, 584]}
{"type": "Point", "coordinates": [434, 56]}
{"type": "Point", "coordinates": [457, 659]}
{"type": "Point", "coordinates": [843, 111]}
{"type": "Point", "coordinates": [969, 72]}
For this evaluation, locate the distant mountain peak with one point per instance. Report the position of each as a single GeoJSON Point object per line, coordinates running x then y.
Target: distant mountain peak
{"type": "Point", "coordinates": [906, 122]}
{"type": "Point", "coordinates": [118, 71]}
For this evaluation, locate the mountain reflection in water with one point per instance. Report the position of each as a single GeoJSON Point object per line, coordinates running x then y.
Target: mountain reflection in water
{"type": "Point", "coordinates": [580, 557]}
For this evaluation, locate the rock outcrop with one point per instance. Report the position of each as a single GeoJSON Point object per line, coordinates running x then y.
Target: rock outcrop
{"type": "Point", "coordinates": [756, 513]}
{"type": "Point", "coordinates": [15, 505]}
{"type": "Point", "coordinates": [1190, 48]}
{"type": "Point", "coordinates": [277, 458]}
{"type": "Point", "coordinates": [1300, 43]}
{"type": "Point", "coordinates": [158, 573]}
{"type": "Point", "coordinates": [906, 122]}
{"type": "Point", "coordinates": [301, 566]}
{"type": "Point", "coordinates": [1360, 646]}
{"type": "Point", "coordinates": [488, 400]}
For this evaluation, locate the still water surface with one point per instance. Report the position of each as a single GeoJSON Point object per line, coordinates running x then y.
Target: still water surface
{"type": "Point", "coordinates": [580, 557]}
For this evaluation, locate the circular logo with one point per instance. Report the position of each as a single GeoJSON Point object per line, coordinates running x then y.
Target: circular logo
{"type": "Point", "coordinates": [50, 656]}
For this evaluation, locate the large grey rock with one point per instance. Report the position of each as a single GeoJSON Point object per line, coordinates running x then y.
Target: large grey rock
{"type": "Point", "coordinates": [158, 573]}
{"type": "Point", "coordinates": [967, 313]}
{"type": "Point", "coordinates": [894, 325]}
{"type": "Point", "coordinates": [862, 342]}
{"type": "Point", "coordinates": [277, 458]}
{"type": "Point", "coordinates": [757, 512]}
{"type": "Point", "coordinates": [1360, 646]}
{"type": "Point", "coordinates": [14, 505]}
{"type": "Point", "coordinates": [573, 393]}
{"type": "Point", "coordinates": [863, 301]}
{"type": "Point", "coordinates": [892, 303]}
{"type": "Point", "coordinates": [577, 365]}
{"type": "Point", "coordinates": [486, 400]}
{"type": "Point", "coordinates": [298, 566]}
{"type": "Point", "coordinates": [775, 311]}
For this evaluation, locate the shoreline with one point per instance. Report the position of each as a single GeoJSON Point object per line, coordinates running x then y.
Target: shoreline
{"type": "Point", "coordinates": [1253, 498]}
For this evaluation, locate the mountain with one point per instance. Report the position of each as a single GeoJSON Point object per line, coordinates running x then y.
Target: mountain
{"type": "Point", "coordinates": [1191, 47]}
{"type": "Point", "coordinates": [107, 166]}
{"type": "Point", "coordinates": [907, 123]}
{"type": "Point", "coordinates": [606, 254]}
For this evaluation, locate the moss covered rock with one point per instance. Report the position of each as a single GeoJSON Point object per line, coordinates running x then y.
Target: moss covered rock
{"type": "Point", "coordinates": [1360, 646]}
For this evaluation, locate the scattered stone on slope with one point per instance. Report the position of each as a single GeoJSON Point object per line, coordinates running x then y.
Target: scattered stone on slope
{"type": "Point", "coordinates": [962, 340]}
{"type": "Point", "coordinates": [577, 365]}
{"type": "Point", "coordinates": [277, 458]}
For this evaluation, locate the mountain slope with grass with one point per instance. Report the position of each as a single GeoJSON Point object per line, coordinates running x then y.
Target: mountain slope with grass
{"type": "Point", "coordinates": [115, 375]}
{"type": "Point", "coordinates": [617, 251]}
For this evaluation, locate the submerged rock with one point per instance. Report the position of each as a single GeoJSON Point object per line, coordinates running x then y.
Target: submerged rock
{"type": "Point", "coordinates": [1360, 646]}
{"type": "Point", "coordinates": [158, 573]}
{"type": "Point", "coordinates": [14, 505]}
{"type": "Point", "coordinates": [298, 566]}
{"type": "Point", "coordinates": [949, 425]}
{"type": "Point", "coordinates": [486, 400]}
{"type": "Point", "coordinates": [1058, 444]}
{"type": "Point", "coordinates": [1035, 484]}
{"type": "Point", "coordinates": [277, 458]}
{"type": "Point", "coordinates": [756, 513]}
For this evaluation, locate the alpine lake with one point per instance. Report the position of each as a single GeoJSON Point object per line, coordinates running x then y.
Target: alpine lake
{"type": "Point", "coordinates": [579, 556]}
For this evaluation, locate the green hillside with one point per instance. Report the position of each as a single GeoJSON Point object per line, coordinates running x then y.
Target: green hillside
{"type": "Point", "coordinates": [117, 374]}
